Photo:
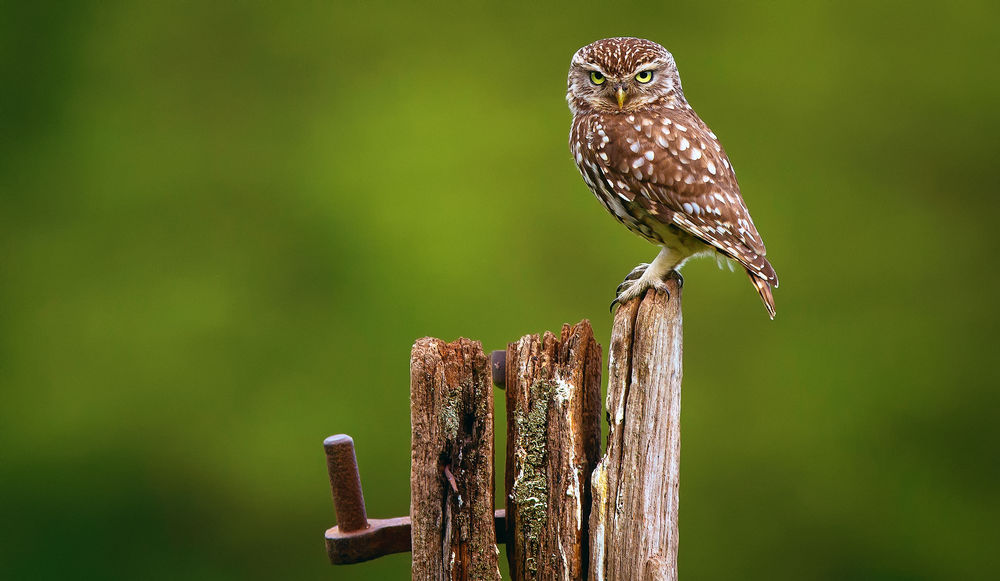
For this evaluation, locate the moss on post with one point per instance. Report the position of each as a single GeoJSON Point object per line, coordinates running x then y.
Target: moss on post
{"type": "Point", "coordinates": [451, 477]}
{"type": "Point", "coordinates": [530, 489]}
{"type": "Point", "coordinates": [553, 422]}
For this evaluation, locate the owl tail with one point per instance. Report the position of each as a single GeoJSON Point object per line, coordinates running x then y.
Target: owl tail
{"type": "Point", "coordinates": [764, 290]}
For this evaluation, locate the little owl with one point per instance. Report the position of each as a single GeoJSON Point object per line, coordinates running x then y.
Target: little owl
{"type": "Point", "coordinates": [656, 166]}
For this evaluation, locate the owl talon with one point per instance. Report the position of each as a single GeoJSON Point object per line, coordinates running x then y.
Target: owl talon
{"type": "Point", "coordinates": [636, 285]}
{"type": "Point", "coordinates": [631, 277]}
{"type": "Point", "coordinates": [628, 295]}
{"type": "Point", "coordinates": [661, 286]}
{"type": "Point", "coordinates": [637, 271]}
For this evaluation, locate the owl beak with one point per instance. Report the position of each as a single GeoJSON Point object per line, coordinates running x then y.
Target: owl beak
{"type": "Point", "coordinates": [621, 97]}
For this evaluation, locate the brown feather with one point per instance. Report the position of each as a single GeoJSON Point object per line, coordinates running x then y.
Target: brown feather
{"type": "Point", "coordinates": [764, 290]}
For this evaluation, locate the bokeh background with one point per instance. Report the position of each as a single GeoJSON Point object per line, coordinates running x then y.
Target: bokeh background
{"type": "Point", "coordinates": [223, 225]}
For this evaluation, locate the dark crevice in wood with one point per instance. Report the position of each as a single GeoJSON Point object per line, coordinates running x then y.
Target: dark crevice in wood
{"type": "Point", "coordinates": [451, 414]}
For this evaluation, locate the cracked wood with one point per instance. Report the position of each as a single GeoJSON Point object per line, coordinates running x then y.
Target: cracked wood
{"type": "Point", "coordinates": [451, 478]}
{"type": "Point", "coordinates": [554, 435]}
{"type": "Point", "coordinates": [636, 486]}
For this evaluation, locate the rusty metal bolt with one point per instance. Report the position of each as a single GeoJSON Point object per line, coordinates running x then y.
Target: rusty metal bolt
{"type": "Point", "coordinates": [345, 483]}
{"type": "Point", "coordinates": [355, 538]}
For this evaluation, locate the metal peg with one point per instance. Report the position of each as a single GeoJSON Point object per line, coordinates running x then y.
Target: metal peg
{"type": "Point", "coordinates": [355, 538]}
{"type": "Point", "coordinates": [345, 483]}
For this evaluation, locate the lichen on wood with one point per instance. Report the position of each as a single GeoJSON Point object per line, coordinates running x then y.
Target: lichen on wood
{"type": "Point", "coordinates": [529, 491]}
{"type": "Point", "coordinates": [451, 416]}
{"type": "Point", "coordinates": [553, 419]}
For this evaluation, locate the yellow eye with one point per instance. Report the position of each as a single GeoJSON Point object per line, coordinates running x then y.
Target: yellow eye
{"type": "Point", "coordinates": [596, 77]}
{"type": "Point", "coordinates": [644, 76]}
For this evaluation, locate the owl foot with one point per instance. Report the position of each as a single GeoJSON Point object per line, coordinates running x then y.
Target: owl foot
{"type": "Point", "coordinates": [639, 280]}
{"type": "Point", "coordinates": [632, 276]}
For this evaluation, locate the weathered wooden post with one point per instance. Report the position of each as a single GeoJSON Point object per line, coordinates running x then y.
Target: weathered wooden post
{"type": "Point", "coordinates": [451, 474]}
{"type": "Point", "coordinates": [635, 486]}
{"type": "Point", "coordinates": [569, 517]}
{"type": "Point", "coordinates": [553, 441]}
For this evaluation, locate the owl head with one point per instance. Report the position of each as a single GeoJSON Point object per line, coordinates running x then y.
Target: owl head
{"type": "Point", "coordinates": [621, 75]}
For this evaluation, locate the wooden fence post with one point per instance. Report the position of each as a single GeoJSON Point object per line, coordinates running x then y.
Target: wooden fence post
{"type": "Point", "coordinates": [634, 519]}
{"type": "Point", "coordinates": [553, 390]}
{"type": "Point", "coordinates": [451, 478]}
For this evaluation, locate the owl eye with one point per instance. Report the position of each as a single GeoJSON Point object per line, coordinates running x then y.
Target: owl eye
{"type": "Point", "coordinates": [644, 76]}
{"type": "Point", "coordinates": [596, 77]}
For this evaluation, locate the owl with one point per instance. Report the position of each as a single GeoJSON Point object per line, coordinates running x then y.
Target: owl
{"type": "Point", "coordinates": [655, 165]}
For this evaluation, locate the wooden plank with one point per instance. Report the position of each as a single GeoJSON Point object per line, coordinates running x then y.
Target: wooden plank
{"type": "Point", "coordinates": [553, 390]}
{"type": "Point", "coordinates": [451, 478]}
{"type": "Point", "coordinates": [636, 485]}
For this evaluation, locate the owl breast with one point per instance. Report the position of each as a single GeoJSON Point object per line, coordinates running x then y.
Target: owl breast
{"type": "Point", "coordinates": [623, 199]}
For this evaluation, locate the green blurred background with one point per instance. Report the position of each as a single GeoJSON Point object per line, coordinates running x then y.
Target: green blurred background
{"type": "Point", "coordinates": [223, 225]}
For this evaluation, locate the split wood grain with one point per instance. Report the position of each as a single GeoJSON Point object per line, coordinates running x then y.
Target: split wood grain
{"type": "Point", "coordinates": [634, 532]}
{"type": "Point", "coordinates": [451, 478]}
{"type": "Point", "coordinates": [553, 390]}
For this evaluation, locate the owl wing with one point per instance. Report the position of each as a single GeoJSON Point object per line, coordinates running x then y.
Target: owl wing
{"type": "Point", "coordinates": [673, 165]}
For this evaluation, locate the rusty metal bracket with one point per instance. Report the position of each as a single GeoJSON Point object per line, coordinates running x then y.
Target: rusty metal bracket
{"type": "Point", "coordinates": [356, 538]}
